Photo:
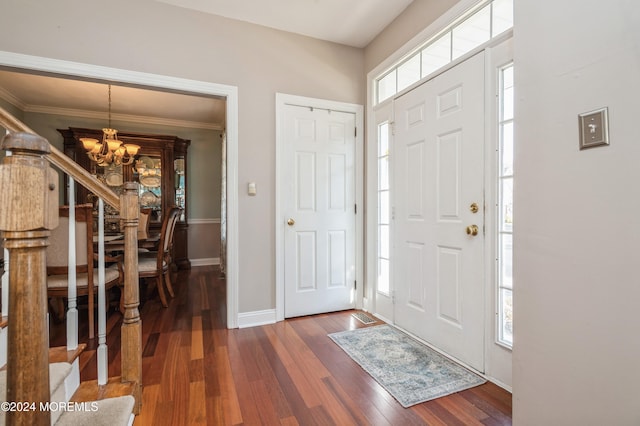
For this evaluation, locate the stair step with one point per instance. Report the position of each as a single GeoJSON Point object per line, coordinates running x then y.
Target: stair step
{"type": "Point", "coordinates": [106, 412]}
{"type": "Point", "coordinates": [61, 354]}
{"type": "Point", "coordinates": [57, 374]}
{"type": "Point", "coordinates": [91, 391]}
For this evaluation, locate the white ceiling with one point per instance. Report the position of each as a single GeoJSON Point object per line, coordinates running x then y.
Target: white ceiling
{"type": "Point", "coordinates": [352, 22]}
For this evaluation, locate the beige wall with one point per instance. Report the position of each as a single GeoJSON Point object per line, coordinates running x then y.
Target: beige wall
{"type": "Point", "coordinates": [16, 112]}
{"type": "Point", "coordinates": [153, 37]}
{"type": "Point", "coordinates": [204, 241]}
{"type": "Point", "coordinates": [576, 321]}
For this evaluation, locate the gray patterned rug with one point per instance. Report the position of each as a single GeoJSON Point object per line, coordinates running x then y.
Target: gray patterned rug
{"type": "Point", "coordinates": [408, 370]}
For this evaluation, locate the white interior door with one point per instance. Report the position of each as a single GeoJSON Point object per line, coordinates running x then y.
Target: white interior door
{"type": "Point", "coordinates": [438, 159]}
{"type": "Point", "coordinates": [319, 210]}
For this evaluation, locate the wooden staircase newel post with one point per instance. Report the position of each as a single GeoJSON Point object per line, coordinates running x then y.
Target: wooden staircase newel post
{"type": "Point", "coordinates": [28, 211]}
{"type": "Point", "coordinates": [131, 324]}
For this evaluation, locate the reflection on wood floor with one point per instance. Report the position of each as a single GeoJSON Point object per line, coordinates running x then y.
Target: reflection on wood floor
{"type": "Point", "coordinates": [196, 371]}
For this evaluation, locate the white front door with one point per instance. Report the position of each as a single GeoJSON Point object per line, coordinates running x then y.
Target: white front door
{"type": "Point", "coordinates": [319, 210]}
{"type": "Point", "coordinates": [438, 178]}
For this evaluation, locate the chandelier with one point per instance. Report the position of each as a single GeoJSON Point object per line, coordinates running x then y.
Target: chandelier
{"type": "Point", "coordinates": [110, 150]}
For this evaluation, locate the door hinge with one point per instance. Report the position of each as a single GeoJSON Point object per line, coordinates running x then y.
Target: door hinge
{"type": "Point", "coordinates": [355, 208]}
{"type": "Point", "coordinates": [393, 127]}
{"type": "Point", "coordinates": [355, 285]}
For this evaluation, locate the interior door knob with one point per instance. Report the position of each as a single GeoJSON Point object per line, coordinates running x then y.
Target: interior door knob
{"type": "Point", "coordinates": [291, 222]}
{"type": "Point", "coordinates": [472, 230]}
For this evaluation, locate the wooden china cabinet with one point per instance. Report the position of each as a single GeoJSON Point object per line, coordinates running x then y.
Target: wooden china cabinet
{"type": "Point", "coordinates": [160, 170]}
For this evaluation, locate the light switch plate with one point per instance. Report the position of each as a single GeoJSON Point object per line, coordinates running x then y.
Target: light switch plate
{"type": "Point", "coordinates": [594, 128]}
{"type": "Point", "coordinates": [251, 188]}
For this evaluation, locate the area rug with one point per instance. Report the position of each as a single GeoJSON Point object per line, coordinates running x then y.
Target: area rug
{"type": "Point", "coordinates": [408, 370]}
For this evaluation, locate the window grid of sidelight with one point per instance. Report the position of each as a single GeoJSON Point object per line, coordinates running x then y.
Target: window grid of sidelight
{"type": "Point", "coordinates": [505, 207]}
{"type": "Point", "coordinates": [481, 23]}
{"type": "Point", "coordinates": [384, 209]}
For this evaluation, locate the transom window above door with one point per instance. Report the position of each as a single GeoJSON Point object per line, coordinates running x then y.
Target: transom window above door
{"type": "Point", "coordinates": [480, 24]}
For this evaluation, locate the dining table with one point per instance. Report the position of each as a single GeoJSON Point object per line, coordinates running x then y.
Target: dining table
{"type": "Point", "coordinates": [115, 244]}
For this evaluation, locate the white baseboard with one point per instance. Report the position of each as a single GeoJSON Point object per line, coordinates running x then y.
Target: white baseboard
{"type": "Point", "coordinates": [207, 261]}
{"type": "Point", "coordinates": [253, 319]}
{"type": "Point", "coordinates": [499, 383]}
{"type": "Point", "coordinates": [213, 221]}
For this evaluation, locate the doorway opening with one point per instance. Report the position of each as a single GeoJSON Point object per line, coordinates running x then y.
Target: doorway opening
{"type": "Point", "coordinates": [153, 82]}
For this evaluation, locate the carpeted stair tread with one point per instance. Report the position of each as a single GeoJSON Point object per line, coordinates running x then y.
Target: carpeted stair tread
{"type": "Point", "coordinates": [58, 371]}
{"type": "Point", "coordinates": [106, 412]}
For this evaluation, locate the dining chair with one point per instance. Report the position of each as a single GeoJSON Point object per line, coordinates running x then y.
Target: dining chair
{"type": "Point", "coordinates": [157, 265]}
{"type": "Point", "coordinates": [86, 273]}
{"type": "Point", "coordinates": [143, 224]}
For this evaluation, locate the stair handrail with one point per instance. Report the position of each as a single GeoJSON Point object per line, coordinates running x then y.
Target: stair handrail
{"type": "Point", "coordinates": [64, 163]}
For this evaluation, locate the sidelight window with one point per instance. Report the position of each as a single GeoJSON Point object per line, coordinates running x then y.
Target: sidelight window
{"type": "Point", "coordinates": [384, 209]}
{"type": "Point", "coordinates": [505, 208]}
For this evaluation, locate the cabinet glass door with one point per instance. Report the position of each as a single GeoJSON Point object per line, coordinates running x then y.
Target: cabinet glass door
{"type": "Point", "coordinates": [148, 173]}
{"type": "Point", "coordinates": [180, 185]}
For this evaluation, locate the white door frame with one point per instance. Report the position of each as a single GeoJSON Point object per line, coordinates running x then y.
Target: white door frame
{"type": "Point", "coordinates": [76, 69]}
{"type": "Point", "coordinates": [499, 50]}
{"type": "Point", "coordinates": [282, 100]}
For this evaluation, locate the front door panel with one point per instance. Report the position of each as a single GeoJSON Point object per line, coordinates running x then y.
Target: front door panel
{"type": "Point", "coordinates": [439, 146]}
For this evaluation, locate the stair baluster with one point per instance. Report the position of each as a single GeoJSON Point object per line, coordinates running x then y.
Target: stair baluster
{"type": "Point", "coordinates": [131, 324]}
{"type": "Point", "coordinates": [72, 295]}
{"type": "Point", "coordinates": [103, 360]}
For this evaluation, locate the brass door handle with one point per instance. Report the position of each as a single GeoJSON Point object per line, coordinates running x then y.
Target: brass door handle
{"type": "Point", "coordinates": [472, 230]}
{"type": "Point", "coordinates": [291, 222]}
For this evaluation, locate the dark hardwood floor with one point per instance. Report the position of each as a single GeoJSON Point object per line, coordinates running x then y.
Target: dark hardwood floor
{"type": "Point", "coordinates": [196, 371]}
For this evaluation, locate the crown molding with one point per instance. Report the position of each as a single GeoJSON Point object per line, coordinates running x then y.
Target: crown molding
{"type": "Point", "coordinates": [9, 97]}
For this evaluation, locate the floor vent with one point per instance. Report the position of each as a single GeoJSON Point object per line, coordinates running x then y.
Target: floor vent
{"type": "Point", "coordinates": [363, 318]}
